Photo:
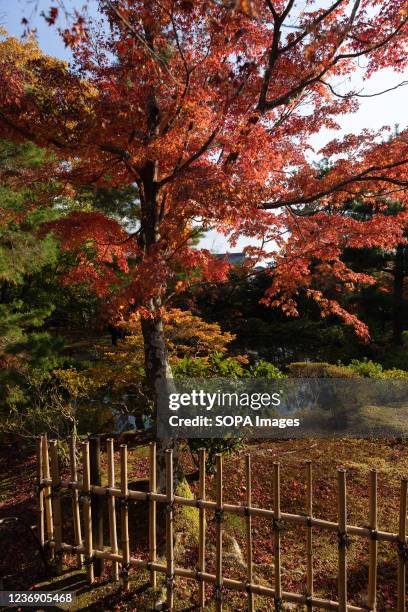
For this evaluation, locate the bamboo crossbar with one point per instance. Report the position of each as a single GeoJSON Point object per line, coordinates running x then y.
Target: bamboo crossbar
{"type": "Point", "coordinates": [50, 487]}
{"type": "Point", "coordinates": [296, 519]}
{"type": "Point", "coordinates": [229, 583]}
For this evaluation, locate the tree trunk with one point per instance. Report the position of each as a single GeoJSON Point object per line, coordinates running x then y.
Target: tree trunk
{"type": "Point", "coordinates": [158, 372]}
{"type": "Point", "coordinates": [160, 385]}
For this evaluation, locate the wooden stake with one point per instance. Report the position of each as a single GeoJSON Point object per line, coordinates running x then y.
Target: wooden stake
{"type": "Point", "coordinates": [152, 514]}
{"type": "Point", "coordinates": [97, 502]}
{"type": "Point", "coordinates": [249, 531]}
{"type": "Point", "coordinates": [169, 530]}
{"type": "Point", "coordinates": [218, 535]}
{"type": "Point", "coordinates": [113, 537]}
{"type": "Point", "coordinates": [201, 528]}
{"type": "Point", "coordinates": [87, 512]}
{"type": "Point", "coordinates": [40, 493]}
{"type": "Point", "coordinates": [47, 496]}
{"type": "Point", "coordinates": [402, 537]}
{"type": "Point", "coordinates": [309, 529]}
{"type": "Point", "coordinates": [342, 535]}
{"type": "Point", "coordinates": [373, 544]}
{"type": "Point", "coordinates": [56, 504]}
{"type": "Point", "coordinates": [75, 498]}
{"type": "Point", "coordinates": [277, 537]}
{"type": "Point", "coordinates": [124, 517]}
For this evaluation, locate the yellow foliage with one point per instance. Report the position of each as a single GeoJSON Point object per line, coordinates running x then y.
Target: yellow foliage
{"type": "Point", "coordinates": [43, 91]}
{"type": "Point", "coordinates": [186, 334]}
{"type": "Point", "coordinates": [76, 383]}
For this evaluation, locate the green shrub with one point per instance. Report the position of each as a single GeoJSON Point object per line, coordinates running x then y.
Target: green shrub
{"type": "Point", "coordinates": [264, 369]}
{"type": "Point", "coordinates": [371, 369]}
{"type": "Point", "coordinates": [220, 365]}
{"type": "Point", "coordinates": [189, 367]}
{"type": "Point", "coordinates": [366, 368]}
{"type": "Point", "coordinates": [226, 367]}
{"type": "Point", "coordinates": [213, 446]}
{"type": "Point", "coordinates": [395, 374]}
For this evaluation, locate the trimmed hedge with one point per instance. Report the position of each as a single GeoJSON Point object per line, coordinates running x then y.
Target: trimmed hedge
{"type": "Point", "coordinates": [306, 369]}
{"type": "Point", "coordinates": [356, 369]}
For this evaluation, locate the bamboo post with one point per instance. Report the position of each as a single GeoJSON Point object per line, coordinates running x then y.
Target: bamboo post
{"type": "Point", "coordinates": [373, 544]}
{"type": "Point", "coordinates": [96, 502]}
{"type": "Point", "coordinates": [218, 536]}
{"type": "Point", "coordinates": [40, 492]}
{"type": "Point", "coordinates": [169, 530]}
{"type": "Point", "coordinates": [86, 500]}
{"type": "Point", "coordinates": [402, 537]}
{"type": "Point", "coordinates": [124, 517]}
{"type": "Point", "coordinates": [342, 535]}
{"type": "Point", "coordinates": [47, 496]}
{"type": "Point", "coordinates": [113, 537]}
{"type": "Point", "coordinates": [75, 498]}
{"type": "Point", "coordinates": [277, 537]}
{"type": "Point", "coordinates": [56, 504]}
{"type": "Point", "coordinates": [309, 530]}
{"type": "Point", "coordinates": [201, 529]}
{"type": "Point", "coordinates": [249, 532]}
{"type": "Point", "coordinates": [152, 514]}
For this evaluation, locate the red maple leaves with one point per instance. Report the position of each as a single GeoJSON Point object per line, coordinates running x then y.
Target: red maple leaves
{"type": "Point", "coordinates": [207, 109]}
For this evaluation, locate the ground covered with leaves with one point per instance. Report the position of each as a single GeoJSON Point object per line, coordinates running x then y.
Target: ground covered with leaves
{"type": "Point", "coordinates": [22, 566]}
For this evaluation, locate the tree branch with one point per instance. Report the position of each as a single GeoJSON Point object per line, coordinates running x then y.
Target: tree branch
{"type": "Point", "coordinates": [140, 39]}
{"type": "Point", "coordinates": [364, 175]}
{"type": "Point", "coordinates": [360, 95]}
{"type": "Point", "coordinates": [190, 160]}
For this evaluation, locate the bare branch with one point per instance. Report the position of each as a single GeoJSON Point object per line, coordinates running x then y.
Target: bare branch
{"type": "Point", "coordinates": [360, 95]}
{"type": "Point", "coordinates": [316, 22]}
{"type": "Point", "coordinates": [311, 79]}
{"type": "Point", "coordinates": [287, 10]}
{"type": "Point", "coordinates": [364, 175]}
{"type": "Point", "coordinates": [374, 47]}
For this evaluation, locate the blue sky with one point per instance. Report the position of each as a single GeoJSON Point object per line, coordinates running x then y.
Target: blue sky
{"type": "Point", "coordinates": [12, 12]}
{"type": "Point", "coordinates": [388, 109]}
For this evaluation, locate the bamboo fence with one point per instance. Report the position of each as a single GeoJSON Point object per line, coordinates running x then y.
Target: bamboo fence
{"type": "Point", "coordinates": [51, 487]}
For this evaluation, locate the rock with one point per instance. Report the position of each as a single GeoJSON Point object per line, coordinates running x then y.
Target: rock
{"type": "Point", "coordinates": [232, 550]}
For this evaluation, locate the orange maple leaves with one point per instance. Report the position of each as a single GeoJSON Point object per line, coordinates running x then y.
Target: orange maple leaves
{"type": "Point", "coordinates": [207, 108]}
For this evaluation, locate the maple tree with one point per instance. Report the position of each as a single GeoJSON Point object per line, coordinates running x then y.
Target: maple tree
{"type": "Point", "coordinates": [206, 107]}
